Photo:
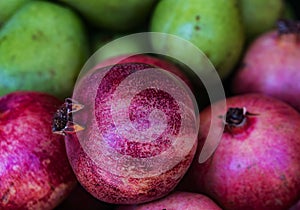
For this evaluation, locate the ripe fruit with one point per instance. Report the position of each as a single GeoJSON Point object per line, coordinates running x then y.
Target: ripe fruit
{"type": "Point", "coordinates": [43, 46]}
{"type": "Point", "coordinates": [177, 200]}
{"type": "Point", "coordinates": [271, 65]}
{"type": "Point", "coordinates": [260, 16]}
{"type": "Point", "coordinates": [34, 169]}
{"type": "Point", "coordinates": [257, 163]}
{"type": "Point", "coordinates": [147, 59]}
{"type": "Point", "coordinates": [214, 27]}
{"type": "Point", "coordinates": [140, 133]}
{"type": "Point", "coordinates": [113, 14]}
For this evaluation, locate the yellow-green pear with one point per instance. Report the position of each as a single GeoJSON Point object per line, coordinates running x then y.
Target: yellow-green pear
{"type": "Point", "coordinates": [42, 47]}
{"type": "Point", "coordinates": [260, 16]}
{"type": "Point", "coordinates": [214, 26]}
{"type": "Point", "coordinates": [114, 15]}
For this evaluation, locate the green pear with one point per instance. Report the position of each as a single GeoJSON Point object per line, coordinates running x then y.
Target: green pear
{"type": "Point", "coordinates": [260, 16]}
{"type": "Point", "coordinates": [213, 26]}
{"type": "Point", "coordinates": [8, 8]}
{"type": "Point", "coordinates": [42, 47]}
{"type": "Point", "coordinates": [114, 14]}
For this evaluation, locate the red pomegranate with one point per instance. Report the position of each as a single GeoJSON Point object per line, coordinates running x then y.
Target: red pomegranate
{"type": "Point", "coordinates": [148, 59]}
{"type": "Point", "coordinates": [140, 132]}
{"type": "Point", "coordinates": [257, 163]}
{"type": "Point", "coordinates": [272, 66]}
{"type": "Point", "coordinates": [34, 168]}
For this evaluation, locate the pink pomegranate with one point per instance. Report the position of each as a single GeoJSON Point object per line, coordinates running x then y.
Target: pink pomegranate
{"type": "Point", "coordinates": [34, 169]}
{"type": "Point", "coordinates": [177, 201]}
{"type": "Point", "coordinates": [272, 65]}
{"type": "Point", "coordinates": [140, 132]}
{"type": "Point", "coordinates": [257, 163]}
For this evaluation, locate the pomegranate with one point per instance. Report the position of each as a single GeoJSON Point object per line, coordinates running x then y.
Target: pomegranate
{"type": "Point", "coordinates": [148, 59]}
{"type": "Point", "coordinates": [34, 169]}
{"type": "Point", "coordinates": [140, 132]}
{"type": "Point", "coordinates": [257, 163]}
{"type": "Point", "coordinates": [177, 200]}
{"type": "Point", "coordinates": [271, 65]}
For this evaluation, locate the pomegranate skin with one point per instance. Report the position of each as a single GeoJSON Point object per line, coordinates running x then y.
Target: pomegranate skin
{"type": "Point", "coordinates": [110, 158]}
{"type": "Point", "coordinates": [148, 59]}
{"type": "Point", "coordinates": [177, 200]}
{"type": "Point", "coordinates": [34, 169]}
{"type": "Point", "coordinates": [271, 66]}
{"type": "Point", "coordinates": [256, 167]}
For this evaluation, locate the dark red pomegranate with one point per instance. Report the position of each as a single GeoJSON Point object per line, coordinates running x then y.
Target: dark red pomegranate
{"type": "Point", "coordinates": [140, 133]}
{"type": "Point", "coordinates": [272, 66]}
{"type": "Point", "coordinates": [34, 168]}
{"type": "Point", "coordinates": [257, 163]}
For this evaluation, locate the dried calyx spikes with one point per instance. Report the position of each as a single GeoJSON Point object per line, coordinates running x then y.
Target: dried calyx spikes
{"type": "Point", "coordinates": [288, 26]}
{"type": "Point", "coordinates": [62, 122]}
{"type": "Point", "coordinates": [236, 117]}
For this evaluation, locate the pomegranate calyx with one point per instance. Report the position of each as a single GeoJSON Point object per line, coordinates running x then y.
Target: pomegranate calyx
{"type": "Point", "coordinates": [235, 117]}
{"type": "Point", "coordinates": [62, 122]}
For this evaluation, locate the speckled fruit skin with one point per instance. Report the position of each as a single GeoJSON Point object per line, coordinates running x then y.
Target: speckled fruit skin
{"type": "Point", "coordinates": [256, 168]}
{"type": "Point", "coordinates": [177, 200]}
{"type": "Point", "coordinates": [34, 169]}
{"type": "Point", "coordinates": [271, 66]}
{"type": "Point", "coordinates": [100, 181]}
{"type": "Point", "coordinates": [148, 59]}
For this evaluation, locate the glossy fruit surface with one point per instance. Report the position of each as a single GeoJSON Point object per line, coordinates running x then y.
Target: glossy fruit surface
{"type": "Point", "coordinates": [34, 169]}
{"type": "Point", "coordinates": [113, 15]}
{"type": "Point", "coordinates": [260, 16]}
{"type": "Point", "coordinates": [215, 27]}
{"type": "Point", "coordinates": [43, 46]}
{"type": "Point", "coordinates": [271, 65]}
{"type": "Point", "coordinates": [257, 163]}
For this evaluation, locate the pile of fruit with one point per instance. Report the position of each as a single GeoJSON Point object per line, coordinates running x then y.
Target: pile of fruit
{"type": "Point", "coordinates": [103, 104]}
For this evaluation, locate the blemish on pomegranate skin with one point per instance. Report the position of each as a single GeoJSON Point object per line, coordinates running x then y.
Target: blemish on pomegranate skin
{"type": "Point", "coordinates": [6, 196]}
